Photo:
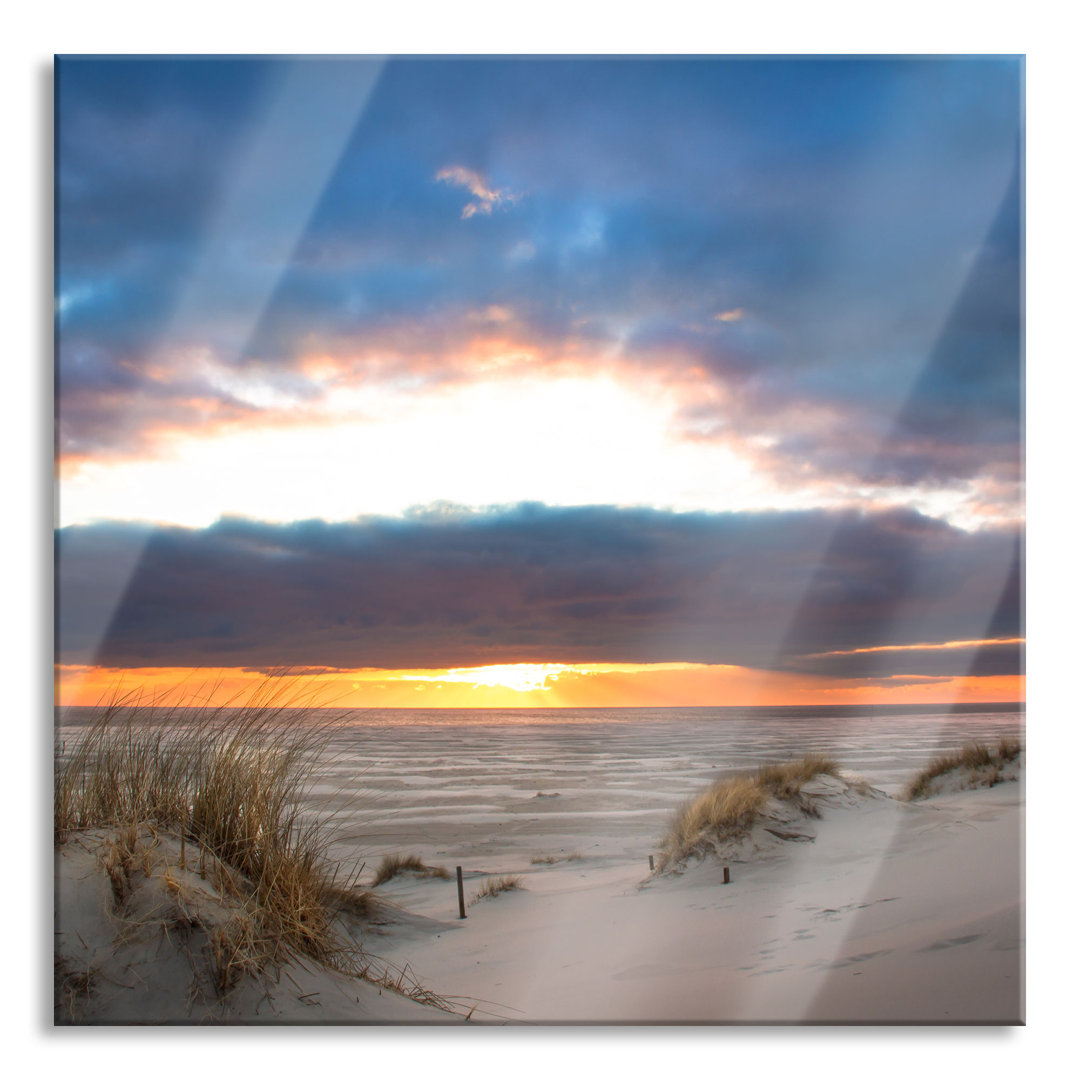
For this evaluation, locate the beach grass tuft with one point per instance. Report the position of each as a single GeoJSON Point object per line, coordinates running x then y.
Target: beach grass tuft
{"type": "Point", "coordinates": [728, 808]}
{"type": "Point", "coordinates": [979, 764]}
{"type": "Point", "coordinates": [551, 860]}
{"type": "Point", "coordinates": [392, 865]}
{"type": "Point", "coordinates": [73, 986]}
{"type": "Point", "coordinates": [495, 885]}
{"type": "Point", "coordinates": [230, 784]}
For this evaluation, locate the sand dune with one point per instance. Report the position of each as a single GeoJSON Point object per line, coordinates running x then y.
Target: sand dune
{"type": "Point", "coordinates": [895, 912]}
{"type": "Point", "coordinates": [865, 909]}
{"type": "Point", "coordinates": [152, 946]}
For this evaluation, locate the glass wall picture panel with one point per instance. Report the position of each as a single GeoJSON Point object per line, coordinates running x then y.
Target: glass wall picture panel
{"type": "Point", "coordinates": [539, 540]}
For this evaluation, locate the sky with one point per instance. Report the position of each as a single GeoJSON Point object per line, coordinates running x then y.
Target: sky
{"type": "Point", "coordinates": [497, 382]}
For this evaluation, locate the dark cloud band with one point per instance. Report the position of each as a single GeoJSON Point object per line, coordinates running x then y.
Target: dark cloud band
{"type": "Point", "coordinates": [539, 584]}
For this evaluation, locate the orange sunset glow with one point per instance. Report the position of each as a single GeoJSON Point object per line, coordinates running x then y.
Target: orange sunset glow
{"type": "Point", "coordinates": [516, 686]}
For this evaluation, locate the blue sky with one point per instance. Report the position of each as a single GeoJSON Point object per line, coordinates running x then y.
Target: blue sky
{"type": "Point", "coordinates": [336, 290]}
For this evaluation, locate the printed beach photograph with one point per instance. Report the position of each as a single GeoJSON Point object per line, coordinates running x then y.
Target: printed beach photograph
{"type": "Point", "coordinates": [539, 540]}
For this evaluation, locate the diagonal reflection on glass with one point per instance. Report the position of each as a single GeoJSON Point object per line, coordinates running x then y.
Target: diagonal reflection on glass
{"type": "Point", "coordinates": [899, 614]}
{"type": "Point", "coordinates": [268, 198]}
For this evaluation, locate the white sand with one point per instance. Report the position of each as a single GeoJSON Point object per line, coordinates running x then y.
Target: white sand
{"type": "Point", "coordinates": [148, 960]}
{"type": "Point", "coordinates": [895, 912]}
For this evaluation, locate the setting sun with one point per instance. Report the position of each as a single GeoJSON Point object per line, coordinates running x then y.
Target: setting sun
{"type": "Point", "coordinates": [524, 686]}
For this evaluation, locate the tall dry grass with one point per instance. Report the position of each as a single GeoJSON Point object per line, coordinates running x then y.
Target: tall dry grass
{"type": "Point", "coordinates": [983, 763]}
{"type": "Point", "coordinates": [231, 782]}
{"type": "Point", "coordinates": [727, 809]}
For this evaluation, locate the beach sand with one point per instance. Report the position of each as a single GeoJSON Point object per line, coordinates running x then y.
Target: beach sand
{"type": "Point", "coordinates": [884, 912]}
{"type": "Point", "coordinates": [895, 912]}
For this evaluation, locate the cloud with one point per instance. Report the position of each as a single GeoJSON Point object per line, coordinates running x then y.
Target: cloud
{"type": "Point", "coordinates": [486, 197]}
{"type": "Point", "coordinates": [846, 208]}
{"type": "Point", "coordinates": [892, 682]}
{"type": "Point", "coordinates": [535, 584]}
{"type": "Point", "coordinates": [1006, 658]}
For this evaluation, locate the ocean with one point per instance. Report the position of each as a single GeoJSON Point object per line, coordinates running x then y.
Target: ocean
{"type": "Point", "coordinates": [494, 784]}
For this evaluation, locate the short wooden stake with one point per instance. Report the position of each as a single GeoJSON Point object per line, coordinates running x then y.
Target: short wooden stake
{"type": "Point", "coordinates": [651, 864]}
{"type": "Point", "coordinates": [460, 895]}
{"type": "Point", "coordinates": [727, 876]}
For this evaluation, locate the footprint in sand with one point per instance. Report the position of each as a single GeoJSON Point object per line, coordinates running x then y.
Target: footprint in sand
{"type": "Point", "coordinates": [832, 914]}
{"type": "Point", "coordinates": [949, 943]}
{"type": "Point", "coordinates": [859, 958]}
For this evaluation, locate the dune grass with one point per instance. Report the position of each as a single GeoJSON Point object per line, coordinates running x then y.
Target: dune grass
{"type": "Point", "coordinates": [392, 865]}
{"type": "Point", "coordinates": [983, 765]}
{"type": "Point", "coordinates": [494, 886]}
{"type": "Point", "coordinates": [230, 784]}
{"type": "Point", "coordinates": [551, 860]}
{"type": "Point", "coordinates": [727, 809]}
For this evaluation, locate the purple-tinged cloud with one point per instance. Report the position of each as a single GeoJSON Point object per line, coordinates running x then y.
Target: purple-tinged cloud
{"type": "Point", "coordinates": [538, 584]}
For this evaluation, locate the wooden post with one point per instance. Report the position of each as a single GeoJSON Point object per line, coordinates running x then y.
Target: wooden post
{"type": "Point", "coordinates": [727, 876]}
{"type": "Point", "coordinates": [460, 895]}
{"type": "Point", "coordinates": [651, 865]}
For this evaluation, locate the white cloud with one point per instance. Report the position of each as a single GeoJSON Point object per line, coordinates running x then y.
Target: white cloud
{"type": "Point", "coordinates": [579, 439]}
{"type": "Point", "coordinates": [485, 197]}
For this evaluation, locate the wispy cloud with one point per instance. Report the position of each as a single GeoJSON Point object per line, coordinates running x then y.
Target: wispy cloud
{"type": "Point", "coordinates": [921, 646]}
{"type": "Point", "coordinates": [485, 196]}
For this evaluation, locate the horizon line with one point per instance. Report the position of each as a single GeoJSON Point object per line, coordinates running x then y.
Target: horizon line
{"type": "Point", "coordinates": [945, 705]}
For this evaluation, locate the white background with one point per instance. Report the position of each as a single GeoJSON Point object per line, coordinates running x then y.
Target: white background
{"type": "Point", "coordinates": [34, 33]}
